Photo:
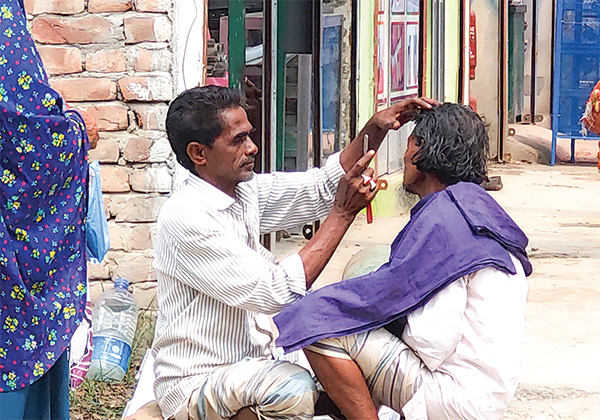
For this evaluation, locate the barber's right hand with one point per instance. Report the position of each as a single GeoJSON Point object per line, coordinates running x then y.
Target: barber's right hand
{"type": "Point", "coordinates": [353, 192]}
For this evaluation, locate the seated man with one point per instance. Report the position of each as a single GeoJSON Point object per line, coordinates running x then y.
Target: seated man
{"type": "Point", "coordinates": [436, 332]}
{"type": "Point", "coordinates": [214, 348]}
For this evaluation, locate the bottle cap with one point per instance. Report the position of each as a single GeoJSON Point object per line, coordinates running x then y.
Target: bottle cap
{"type": "Point", "coordinates": [121, 283]}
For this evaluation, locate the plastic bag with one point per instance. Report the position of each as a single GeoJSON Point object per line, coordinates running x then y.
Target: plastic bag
{"type": "Point", "coordinates": [97, 239]}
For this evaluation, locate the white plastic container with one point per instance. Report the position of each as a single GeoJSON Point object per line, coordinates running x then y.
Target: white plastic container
{"type": "Point", "coordinates": [114, 320]}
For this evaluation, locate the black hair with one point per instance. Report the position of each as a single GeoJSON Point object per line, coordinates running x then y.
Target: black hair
{"type": "Point", "coordinates": [195, 116]}
{"type": "Point", "coordinates": [453, 144]}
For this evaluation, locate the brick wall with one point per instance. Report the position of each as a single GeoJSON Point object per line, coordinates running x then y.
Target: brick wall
{"type": "Point", "coordinates": [114, 59]}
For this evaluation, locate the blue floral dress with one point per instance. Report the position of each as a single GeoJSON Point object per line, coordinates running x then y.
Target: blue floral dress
{"type": "Point", "coordinates": [43, 199]}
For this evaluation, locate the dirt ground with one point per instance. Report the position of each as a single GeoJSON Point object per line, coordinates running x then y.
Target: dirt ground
{"type": "Point", "coordinates": [559, 209]}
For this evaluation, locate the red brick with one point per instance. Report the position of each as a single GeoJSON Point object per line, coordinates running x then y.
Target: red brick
{"type": "Point", "coordinates": [85, 89]}
{"type": "Point", "coordinates": [61, 60]}
{"type": "Point", "coordinates": [151, 117]}
{"type": "Point", "coordinates": [81, 30]}
{"type": "Point", "coordinates": [108, 6]}
{"type": "Point", "coordinates": [114, 178]}
{"type": "Point", "coordinates": [106, 61]}
{"type": "Point", "coordinates": [147, 89]}
{"type": "Point", "coordinates": [61, 7]}
{"type": "Point", "coordinates": [147, 29]}
{"type": "Point", "coordinates": [137, 149]}
{"type": "Point", "coordinates": [109, 117]}
{"type": "Point", "coordinates": [152, 5]}
{"type": "Point", "coordinates": [107, 151]}
{"type": "Point", "coordinates": [142, 59]}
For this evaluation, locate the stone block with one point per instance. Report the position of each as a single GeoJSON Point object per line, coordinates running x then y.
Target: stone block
{"type": "Point", "coordinates": [131, 236]}
{"type": "Point", "coordinates": [151, 117]}
{"type": "Point", "coordinates": [147, 29]}
{"type": "Point", "coordinates": [134, 266]}
{"type": "Point", "coordinates": [85, 89]}
{"type": "Point", "coordinates": [147, 147]}
{"type": "Point", "coordinates": [147, 89]}
{"type": "Point", "coordinates": [61, 7]}
{"type": "Point", "coordinates": [109, 116]}
{"type": "Point", "coordinates": [61, 60]}
{"type": "Point", "coordinates": [146, 60]}
{"type": "Point", "coordinates": [106, 61]}
{"type": "Point", "coordinates": [107, 151]}
{"type": "Point", "coordinates": [98, 271]}
{"type": "Point", "coordinates": [151, 179]}
{"type": "Point", "coordinates": [145, 296]}
{"type": "Point", "coordinates": [109, 6]}
{"type": "Point", "coordinates": [136, 207]}
{"type": "Point", "coordinates": [114, 178]}
{"type": "Point", "coordinates": [153, 5]}
{"type": "Point", "coordinates": [73, 30]}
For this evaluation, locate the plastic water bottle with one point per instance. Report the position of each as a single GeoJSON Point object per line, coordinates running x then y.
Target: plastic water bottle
{"type": "Point", "coordinates": [114, 320]}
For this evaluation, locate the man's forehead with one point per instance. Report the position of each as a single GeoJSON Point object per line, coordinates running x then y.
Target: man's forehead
{"type": "Point", "coordinates": [235, 119]}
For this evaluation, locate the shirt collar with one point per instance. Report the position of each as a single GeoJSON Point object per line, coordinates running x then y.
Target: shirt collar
{"type": "Point", "coordinates": [210, 195]}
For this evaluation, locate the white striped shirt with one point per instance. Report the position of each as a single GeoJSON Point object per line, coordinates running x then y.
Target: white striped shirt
{"type": "Point", "coordinates": [216, 282]}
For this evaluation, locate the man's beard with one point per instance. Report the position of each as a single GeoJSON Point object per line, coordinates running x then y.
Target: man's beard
{"type": "Point", "coordinates": [406, 198]}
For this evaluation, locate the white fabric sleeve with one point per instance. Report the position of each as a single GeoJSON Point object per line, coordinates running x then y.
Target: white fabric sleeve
{"type": "Point", "coordinates": [289, 199]}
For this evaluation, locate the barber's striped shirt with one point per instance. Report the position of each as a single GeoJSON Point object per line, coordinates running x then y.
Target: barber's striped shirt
{"type": "Point", "coordinates": [216, 283]}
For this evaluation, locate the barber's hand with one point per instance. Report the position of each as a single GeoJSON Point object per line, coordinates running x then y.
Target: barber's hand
{"type": "Point", "coordinates": [91, 128]}
{"type": "Point", "coordinates": [400, 113]}
{"type": "Point", "coordinates": [353, 192]}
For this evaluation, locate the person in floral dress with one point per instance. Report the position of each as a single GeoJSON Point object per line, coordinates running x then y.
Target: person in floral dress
{"type": "Point", "coordinates": [43, 204]}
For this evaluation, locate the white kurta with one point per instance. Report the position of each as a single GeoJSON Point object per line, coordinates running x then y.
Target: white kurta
{"type": "Point", "coordinates": [469, 337]}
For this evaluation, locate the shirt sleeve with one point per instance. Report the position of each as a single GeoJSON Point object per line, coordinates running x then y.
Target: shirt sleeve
{"type": "Point", "coordinates": [222, 266]}
{"type": "Point", "coordinates": [289, 199]}
{"type": "Point", "coordinates": [434, 330]}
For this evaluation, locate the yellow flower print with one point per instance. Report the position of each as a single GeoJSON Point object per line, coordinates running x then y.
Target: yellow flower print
{"type": "Point", "coordinates": [69, 311]}
{"type": "Point", "coordinates": [8, 178]}
{"type": "Point", "coordinates": [10, 324]}
{"type": "Point", "coordinates": [3, 352]}
{"type": "Point", "coordinates": [35, 320]}
{"type": "Point", "coordinates": [36, 166]}
{"type": "Point", "coordinates": [37, 287]}
{"type": "Point", "coordinates": [3, 95]}
{"type": "Point", "coordinates": [49, 101]}
{"type": "Point", "coordinates": [6, 12]}
{"type": "Point", "coordinates": [58, 139]}
{"type": "Point", "coordinates": [17, 293]}
{"type": "Point", "coordinates": [24, 80]}
{"type": "Point", "coordinates": [9, 33]}
{"type": "Point", "coordinates": [35, 254]}
{"type": "Point", "coordinates": [38, 369]}
{"type": "Point", "coordinates": [22, 128]}
{"type": "Point", "coordinates": [22, 235]}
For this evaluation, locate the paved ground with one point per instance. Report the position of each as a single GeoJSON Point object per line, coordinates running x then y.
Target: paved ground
{"type": "Point", "coordinates": [559, 208]}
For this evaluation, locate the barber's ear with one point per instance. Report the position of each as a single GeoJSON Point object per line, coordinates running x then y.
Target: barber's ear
{"type": "Point", "coordinates": [197, 153]}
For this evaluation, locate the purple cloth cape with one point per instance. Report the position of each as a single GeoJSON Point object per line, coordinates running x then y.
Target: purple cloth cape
{"type": "Point", "coordinates": [451, 234]}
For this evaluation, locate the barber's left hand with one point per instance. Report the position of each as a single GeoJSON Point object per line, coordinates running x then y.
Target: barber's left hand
{"type": "Point", "coordinates": [400, 113]}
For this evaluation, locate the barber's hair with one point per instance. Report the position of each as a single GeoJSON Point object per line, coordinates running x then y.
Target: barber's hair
{"type": "Point", "coordinates": [453, 144]}
{"type": "Point", "coordinates": [195, 116]}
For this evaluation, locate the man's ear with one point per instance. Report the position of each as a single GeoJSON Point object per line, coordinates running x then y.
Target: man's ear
{"type": "Point", "coordinates": [197, 153]}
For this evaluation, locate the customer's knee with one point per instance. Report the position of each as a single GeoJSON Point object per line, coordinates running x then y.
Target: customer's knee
{"type": "Point", "coordinates": [292, 396]}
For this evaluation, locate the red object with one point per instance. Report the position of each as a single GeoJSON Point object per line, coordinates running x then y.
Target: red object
{"type": "Point", "coordinates": [472, 45]}
{"type": "Point", "coordinates": [369, 213]}
{"type": "Point", "coordinates": [473, 103]}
